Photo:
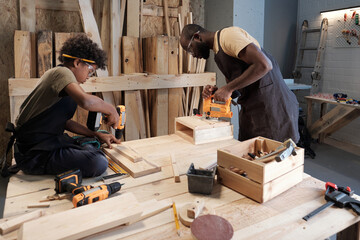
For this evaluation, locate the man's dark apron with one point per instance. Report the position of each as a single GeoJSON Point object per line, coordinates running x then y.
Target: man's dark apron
{"type": "Point", "coordinates": [268, 108]}
{"type": "Point", "coordinates": [42, 134]}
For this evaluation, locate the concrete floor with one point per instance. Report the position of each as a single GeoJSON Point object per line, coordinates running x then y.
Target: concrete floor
{"type": "Point", "coordinates": [330, 165]}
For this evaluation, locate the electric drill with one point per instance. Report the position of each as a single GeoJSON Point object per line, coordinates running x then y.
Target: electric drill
{"type": "Point", "coordinates": [95, 120]}
{"type": "Point", "coordinates": [95, 194]}
{"type": "Point", "coordinates": [70, 181]}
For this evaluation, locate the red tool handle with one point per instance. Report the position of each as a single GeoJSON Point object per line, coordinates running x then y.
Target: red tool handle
{"type": "Point", "coordinates": [345, 16]}
{"type": "Point", "coordinates": [330, 184]}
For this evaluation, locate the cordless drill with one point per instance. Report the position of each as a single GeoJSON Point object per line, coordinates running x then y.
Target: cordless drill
{"type": "Point", "coordinates": [95, 120]}
{"type": "Point", "coordinates": [70, 181]}
{"type": "Point", "coordinates": [95, 194]}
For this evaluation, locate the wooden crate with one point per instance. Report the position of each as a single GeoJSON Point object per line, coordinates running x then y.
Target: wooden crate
{"type": "Point", "coordinates": [264, 181]}
{"type": "Point", "coordinates": [199, 130]}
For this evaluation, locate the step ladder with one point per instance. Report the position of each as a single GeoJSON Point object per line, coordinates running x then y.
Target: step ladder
{"type": "Point", "coordinates": [315, 75]}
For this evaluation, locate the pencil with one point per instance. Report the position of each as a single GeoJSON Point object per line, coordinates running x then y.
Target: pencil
{"type": "Point", "coordinates": [176, 219]}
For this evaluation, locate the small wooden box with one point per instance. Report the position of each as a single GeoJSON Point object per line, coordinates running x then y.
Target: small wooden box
{"type": "Point", "coordinates": [264, 181]}
{"type": "Point", "coordinates": [200, 130]}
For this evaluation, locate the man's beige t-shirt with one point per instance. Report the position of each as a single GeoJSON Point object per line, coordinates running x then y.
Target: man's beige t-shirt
{"type": "Point", "coordinates": [233, 40]}
{"type": "Point", "coordinates": [46, 94]}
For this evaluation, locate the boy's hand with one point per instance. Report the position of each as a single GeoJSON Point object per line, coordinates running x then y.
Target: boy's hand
{"type": "Point", "coordinates": [107, 138]}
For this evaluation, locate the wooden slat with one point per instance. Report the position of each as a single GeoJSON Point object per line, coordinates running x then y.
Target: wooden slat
{"type": "Point", "coordinates": [166, 16]}
{"type": "Point", "coordinates": [23, 86]}
{"type": "Point", "coordinates": [175, 95]}
{"type": "Point", "coordinates": [115, 20]}
{"type": "Point", "coordinates": [27, 15]}
{"type": "Point", "coordinates": [45, 51]}
{"type": "Point", "coordinates": [16, 222]}
{"type": "Point", "coordinates": [60, 39]}
{"type": "Point", "coordinates": [105, 32]}
{"type": "Point", "coordinates": [137, 169]}
{"type": "Point", "coordinates": [127, 210]}
{"type": "Point", "coordinates": [333, 117]}
{"type": "Point", "coordinates": [22, 54]}
{"type": "Point", "coordinates": [90, 28]}
{"type": "Point", "coordinates": [133, 21]}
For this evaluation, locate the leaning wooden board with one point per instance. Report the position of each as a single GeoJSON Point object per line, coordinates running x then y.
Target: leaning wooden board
{"type": "Point", "coordinates": [276, 219]}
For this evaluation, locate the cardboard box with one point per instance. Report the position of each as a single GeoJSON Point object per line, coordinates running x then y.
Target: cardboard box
{"type": "Point", "coordinates": [263, 181]}
{"type": "Point", "coordinates": [199, 130]}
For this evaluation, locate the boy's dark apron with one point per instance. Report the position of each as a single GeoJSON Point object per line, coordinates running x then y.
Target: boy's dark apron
{"type": "Point", "coordinates": [43, 134]}
{"type": "Point", "coordinates": [268, 108]}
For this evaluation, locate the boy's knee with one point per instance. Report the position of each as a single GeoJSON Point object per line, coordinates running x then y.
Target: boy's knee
{"type": "Point", "coordinates": [95, 166]}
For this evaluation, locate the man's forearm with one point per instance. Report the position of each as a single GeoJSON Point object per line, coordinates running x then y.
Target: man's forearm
{"type": "Point", "coordinates": [252, 74]}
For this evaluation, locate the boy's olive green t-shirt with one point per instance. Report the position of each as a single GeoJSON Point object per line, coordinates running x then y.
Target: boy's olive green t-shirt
{"type": "Point", "coordinates": [46, 94]}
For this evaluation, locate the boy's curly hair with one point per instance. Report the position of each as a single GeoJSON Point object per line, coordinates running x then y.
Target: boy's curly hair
{"type": "Point", "coordinates": [83, 47]}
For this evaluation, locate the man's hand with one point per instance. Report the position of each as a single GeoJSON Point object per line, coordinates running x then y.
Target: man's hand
{"type": "Point", "coordinates": [107, 138]}
{"type": "Point", "coordinates": [222, 94]}
{"type": "Point", "coordinates": [208, 91]}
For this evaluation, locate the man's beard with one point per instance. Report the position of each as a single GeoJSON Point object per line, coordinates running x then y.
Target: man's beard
{"type": "Point", "coordinates": [204, 50]}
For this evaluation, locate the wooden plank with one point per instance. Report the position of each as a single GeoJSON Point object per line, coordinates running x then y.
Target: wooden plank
{"type": "Point", "coordinates": [328, 120]}
{"type": "Point", "coordinates": [63, 5]}
{"type": "Point", "coordinates": [344, 121]}
{"type": "Point", "coordinates": [90, 28]}
{"type": "Point", "coordinates": [175, 168]}
{"type": "Point", "coordinates": [138, 169]}
{"type": "Point", "coordinates": [131, 55]}
{"type": "Point", "coordinates": [24, 86]}
{"type": "Point", "coordinates": [323, 110]}
{"type": "Point", "coordinates": [15, 223]}
{"type": "Point", "coordinates": [45, 53]}
{"type": "Point", "coordinates": [22, 54]}
{"type": "Point", "coordinates": [166, 16]}
{"type": "Point", "coordinates": [97, 7]}
{"type": "Point", "coordinates": [135, 127]}
{"type": "Point", "coordinates": [133, 21]}
{"type": "Point", "coordinates": [175, 95]}
{"type": "Point", "coordinates": [115, 38]}
{"type": "Point", "coordinates": [127, 210]}
{"type": "Point", "coordinates": [60, 39]}
{"type": "Point", "coordinates": [105, 34]}
{"type": "Point", "coordinates": [127, 152]}
{"type": "Point", "coordinates": [27, 15]}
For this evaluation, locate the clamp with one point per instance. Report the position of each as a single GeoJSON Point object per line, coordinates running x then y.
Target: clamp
{"type": "Point", "coordinates": [338, 196]}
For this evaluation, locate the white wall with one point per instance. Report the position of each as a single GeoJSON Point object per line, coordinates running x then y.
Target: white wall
{"type": "Point", "coordinates": [341, 71]}
{"type": "Point", "coordinates": [249, 15]}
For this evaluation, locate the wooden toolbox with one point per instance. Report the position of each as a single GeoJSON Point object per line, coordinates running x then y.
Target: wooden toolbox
{"type": "Point", "coordinates": [263, 181]}
{"type": "Point", "coordinates": [200, 130]}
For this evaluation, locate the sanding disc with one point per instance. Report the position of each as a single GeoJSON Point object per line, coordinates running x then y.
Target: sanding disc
{"type": "Point", "coordinates": [211, 227]}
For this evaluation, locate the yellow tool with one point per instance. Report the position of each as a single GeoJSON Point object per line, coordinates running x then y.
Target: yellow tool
{"type": "Point", "coordinates": [214, 109]}
{"type": "Point", "coordinates": [95, 120]}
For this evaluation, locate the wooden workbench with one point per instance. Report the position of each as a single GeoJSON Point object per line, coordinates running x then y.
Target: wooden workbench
{"type": "Point", "coordinates": [279, 218]}
{"type": "Point", "coordinates": [329, 121]}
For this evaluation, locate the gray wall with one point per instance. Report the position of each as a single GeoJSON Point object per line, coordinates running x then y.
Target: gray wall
{"type": "Point", "coordinates": [280, 33]}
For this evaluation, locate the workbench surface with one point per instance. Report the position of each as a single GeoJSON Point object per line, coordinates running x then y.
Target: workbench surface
{"type": "Point", "coordinates": [279, 218]}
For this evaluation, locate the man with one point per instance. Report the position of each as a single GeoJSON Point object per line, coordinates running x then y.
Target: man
{"type": "Point", "coordinates": [41, 146]}
{"type": "Point", "coordinates": [268, 107]}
